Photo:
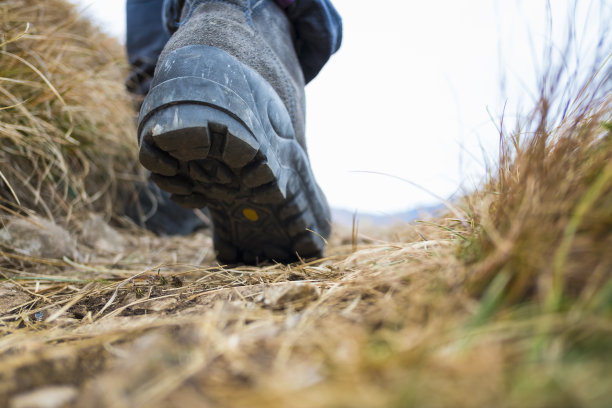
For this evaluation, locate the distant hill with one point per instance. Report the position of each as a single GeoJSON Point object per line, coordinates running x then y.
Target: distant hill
{"type": "Point", "coordinates": [345, 217]}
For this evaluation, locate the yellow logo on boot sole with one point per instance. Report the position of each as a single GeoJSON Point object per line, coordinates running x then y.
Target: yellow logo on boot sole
{"type": "Point", "coordinates": [250, 214]}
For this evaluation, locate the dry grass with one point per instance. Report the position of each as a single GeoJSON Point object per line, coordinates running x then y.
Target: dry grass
{"type": "Point", "coordinates": [509, 309]}
{"type": "Point", "coordinates": [67, 144]}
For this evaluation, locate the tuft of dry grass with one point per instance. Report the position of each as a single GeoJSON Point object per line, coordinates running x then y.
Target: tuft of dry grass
{"type": "Point", "coordinates": [66, 126]}
{"type": "Point", "coordinates": [543, 222]}
{"type": "Point", "coordinates": [509, 309]}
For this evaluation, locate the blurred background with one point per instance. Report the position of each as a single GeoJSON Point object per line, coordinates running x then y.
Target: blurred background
{"type": "Point", "coordinates": [408, 111]}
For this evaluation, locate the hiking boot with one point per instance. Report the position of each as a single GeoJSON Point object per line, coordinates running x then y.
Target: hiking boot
{"type": "Point", "coordinates": [223, 127]}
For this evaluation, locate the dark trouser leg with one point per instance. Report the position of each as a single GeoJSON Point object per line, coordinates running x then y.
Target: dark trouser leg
{"type": "Point", "coordinates": [146, 37]}
{"type": "Point", "coordinates": [318, 30]}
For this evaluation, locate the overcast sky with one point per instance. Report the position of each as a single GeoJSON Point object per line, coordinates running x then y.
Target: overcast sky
{"type": "Point", "coordinates": [414, 88]}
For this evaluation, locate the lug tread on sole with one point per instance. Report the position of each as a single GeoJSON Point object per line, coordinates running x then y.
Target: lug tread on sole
{"type": "Point", "coordinates": [221, 166]}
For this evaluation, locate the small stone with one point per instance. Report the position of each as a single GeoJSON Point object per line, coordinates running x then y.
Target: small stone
{"type": "Point", "coordinates": [38, 238]}
{"type": "Point", "coordinates": [101, 236]}
{"type": "Point", "coordinates": [11, 296]}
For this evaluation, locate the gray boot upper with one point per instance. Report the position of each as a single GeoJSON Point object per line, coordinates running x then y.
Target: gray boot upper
{"type": "Point", "coordinates": [256, 33]}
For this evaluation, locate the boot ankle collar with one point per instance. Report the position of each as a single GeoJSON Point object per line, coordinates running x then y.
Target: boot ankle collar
{"type": "Point", "coordinates": [173, 9]}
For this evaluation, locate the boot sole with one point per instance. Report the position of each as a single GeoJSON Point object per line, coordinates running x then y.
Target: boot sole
{"type": "Point", "coordinates": [208, 147]}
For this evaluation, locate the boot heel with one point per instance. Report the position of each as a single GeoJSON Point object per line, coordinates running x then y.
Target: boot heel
{"type": "Point", "coordinates": [187, 131]}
